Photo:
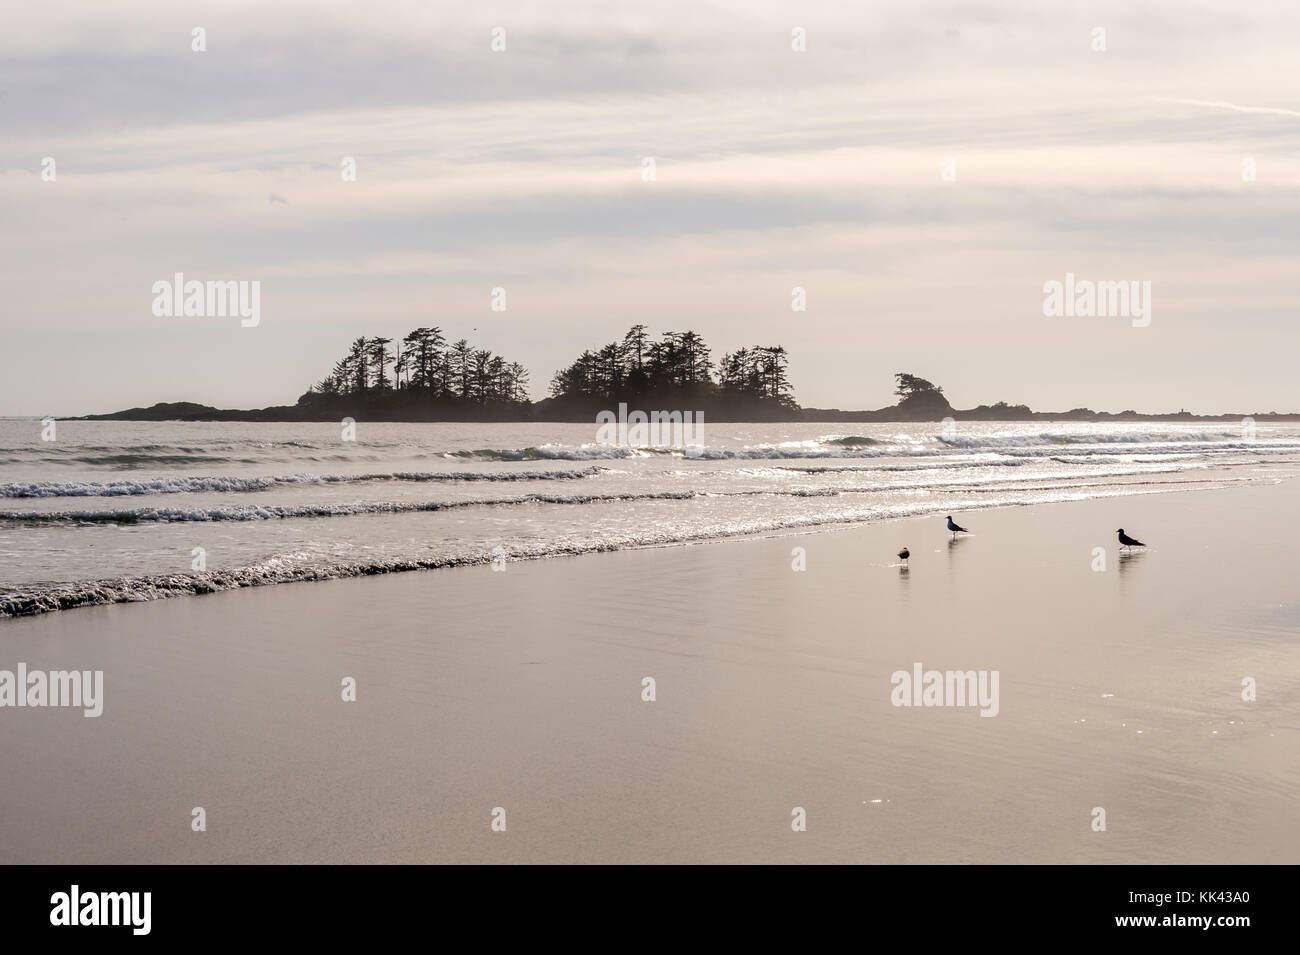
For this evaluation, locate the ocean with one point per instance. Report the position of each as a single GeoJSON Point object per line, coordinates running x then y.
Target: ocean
{"type": "Point", "coordinates": [113, 512]}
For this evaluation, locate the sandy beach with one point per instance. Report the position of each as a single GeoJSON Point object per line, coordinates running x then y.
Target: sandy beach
{"type": "Point", "coordinates": [1119, 688]}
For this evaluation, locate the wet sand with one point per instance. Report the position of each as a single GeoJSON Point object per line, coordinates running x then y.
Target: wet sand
{"type": "Point", "coordinates": [476, 689]}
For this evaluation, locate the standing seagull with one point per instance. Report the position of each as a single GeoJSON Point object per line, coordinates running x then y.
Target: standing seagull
{"type": "Point", "coordinates": [1126, 541]}
{"type": "Point", "coordinates": [904, 554]}
{"type": "Point", "coordinates": [955, 527]}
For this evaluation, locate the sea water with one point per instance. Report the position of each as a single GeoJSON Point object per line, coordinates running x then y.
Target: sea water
{"type": "Point", "coordinates": [119, 511]}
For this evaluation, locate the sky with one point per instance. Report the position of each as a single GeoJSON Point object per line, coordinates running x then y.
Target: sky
{"type": "Point", "coordinates": [920, 169]}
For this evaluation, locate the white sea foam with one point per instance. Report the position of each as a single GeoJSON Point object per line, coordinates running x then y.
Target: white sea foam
{"type": "Point", "coordinates": [267, 512]}
{"type": "Point", "coordinates": [1006, 440]}
{"type": "Point", "coordinates": [219, 484]}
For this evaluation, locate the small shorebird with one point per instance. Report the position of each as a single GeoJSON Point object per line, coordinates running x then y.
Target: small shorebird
{"type": "Point", "coordinates": [904, 554]}
{"type": "Point", "coordinates": [955, 528]}
{"type": "Point", "coordinates": [1126, 541]}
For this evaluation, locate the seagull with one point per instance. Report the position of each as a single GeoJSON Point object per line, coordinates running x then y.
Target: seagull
{"type": "Point", "coordinates": [955, 527]}
{"type": "Point", "coordinates": [904, 554]}
{"type": "Point", "coordinates": [1126, 541]}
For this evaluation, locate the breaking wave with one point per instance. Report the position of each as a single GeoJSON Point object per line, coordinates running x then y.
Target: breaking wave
{"type": "Point", "coordinates": [1081, 437]}
{"type": "Point", "coordinates": [193, 485]}
{"type": "Point", "coordinates": [266, 512]}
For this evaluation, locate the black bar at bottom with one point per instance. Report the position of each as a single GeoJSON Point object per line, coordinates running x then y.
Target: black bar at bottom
{"type": "Point", "coordinates": [299, 903]}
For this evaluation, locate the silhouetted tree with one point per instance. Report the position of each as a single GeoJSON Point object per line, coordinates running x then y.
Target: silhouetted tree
{"type": "Point", "coordinates": [423, 365]}
{"type": "Point", "coordinates": [910, 386]}
{"type": "Point", "coordinates": [358, 360]}
{"type": "Point", "coordinates": [380, 358]}
{"type": "Point", "coordinates": [676, 366]}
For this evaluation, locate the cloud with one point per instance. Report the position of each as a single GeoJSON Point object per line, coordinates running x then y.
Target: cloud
{"type": "Point", "coordinates": [774, 168]}
{"type": "Point", "coordinates": [1271, 110]}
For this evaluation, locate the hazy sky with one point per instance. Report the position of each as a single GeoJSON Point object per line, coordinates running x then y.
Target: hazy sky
{"type": "Point", "coordinates": [775, 169]}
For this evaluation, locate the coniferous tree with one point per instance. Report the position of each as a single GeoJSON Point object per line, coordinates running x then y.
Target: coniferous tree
{"type": "Point", "coordinates": [380, 359]}
{"type": "Point", "coordinates": [676, 366]}
{"type": "Point", "coordinates": [423, 365]}
{"type": "Point", "coordinates": [358, 360]}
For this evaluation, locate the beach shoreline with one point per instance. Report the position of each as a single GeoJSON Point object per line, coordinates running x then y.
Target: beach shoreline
{"type": "Point", "coordinates": [50, 597]}
{"type": "Point", "coordinates": [1120, 688]}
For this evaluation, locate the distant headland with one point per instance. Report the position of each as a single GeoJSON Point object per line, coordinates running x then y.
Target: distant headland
{"type": "Point", "coordinates": [424, 378]}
